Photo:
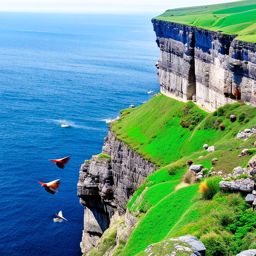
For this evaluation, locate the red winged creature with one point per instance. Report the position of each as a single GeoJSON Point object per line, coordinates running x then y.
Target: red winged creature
{"type": "Point", "coordinates": [61, 162]}
{"type": "Point", "coordinates": [50, 187]}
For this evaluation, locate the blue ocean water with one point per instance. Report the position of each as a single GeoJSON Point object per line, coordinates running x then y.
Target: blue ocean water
{"type": "Point", "coordinates": [53, 67]}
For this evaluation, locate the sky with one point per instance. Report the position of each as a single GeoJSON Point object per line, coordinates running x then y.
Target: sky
{"type": "Point", "coordinates": [99, 6]}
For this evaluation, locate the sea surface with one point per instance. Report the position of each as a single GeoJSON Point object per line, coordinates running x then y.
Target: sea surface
{"type": "Point", "coordinates": [55, 69]}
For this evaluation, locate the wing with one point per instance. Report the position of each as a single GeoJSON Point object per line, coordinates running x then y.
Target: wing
{"type": "Point", "coordinates": [53, 184]}
{"type": "Point", "coordinates": [65, 160]}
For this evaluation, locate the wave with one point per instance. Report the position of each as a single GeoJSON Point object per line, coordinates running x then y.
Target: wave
{"type": "Point", "coordinates": [110, 120]}
{"type": "Point", "coordinates": [64, 123]}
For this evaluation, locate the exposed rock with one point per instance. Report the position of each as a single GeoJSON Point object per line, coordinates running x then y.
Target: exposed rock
{"type": "Point", "coordinates": [232, 118]}
{"type": "Point", "coordinates": [251, 252]}
{"type": "Point", "coordinates": [247, 133]}
{"type": "Point", "coordinates": [204, 65]}
{"type": "Point", "coordinates": [252, 163]}
{"type": "Point", "coordinates": [249, 198]}
{"type": "Point", "coordinates": [238, 171]}
{"type": "Point", "coordinates": [196, 168]}
{"type": "Point", "coordinates": [185, 245]}
{"type": "Point", "coordinates": [244, 152]}
{"type": "Point", "coordinates": [214, 161]}
{"type": "Point", "coordinates": [205, 146]}
{"type": "Point", "coordinates": [211, 149]}
{"type": "Point", "coordinates": [241, 185]}
{"type": "Point", "coordinates": [105, 185]}
{"type": "Point", "coordinates": [189, 162]}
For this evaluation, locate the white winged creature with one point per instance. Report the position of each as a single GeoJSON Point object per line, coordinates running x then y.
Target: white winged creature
{"type": "Point", "coordinates": [59, 217]}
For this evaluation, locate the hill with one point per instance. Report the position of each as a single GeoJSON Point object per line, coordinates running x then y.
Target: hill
{"type": "Point", "coordinates": [236, 18]}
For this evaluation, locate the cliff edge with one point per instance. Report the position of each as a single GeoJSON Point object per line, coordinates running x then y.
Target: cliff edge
{"type": "Point", "coordinates": [182, 166]}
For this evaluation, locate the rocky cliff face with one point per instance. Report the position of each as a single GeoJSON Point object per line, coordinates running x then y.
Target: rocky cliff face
{"type": "Point", "coordinates": [209, 67]}
{"type": "Point", "coordinates": [105, 184]}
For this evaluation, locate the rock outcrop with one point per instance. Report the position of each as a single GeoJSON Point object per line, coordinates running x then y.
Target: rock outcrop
{"type": "Point", "coordinates": [105, 184]}
{"type": "Point", "coordinates": [206, 66]}
{"type": "Point", "coordinates": [183, 245]}
{"type": "Point", "coordinates": [247, 253]}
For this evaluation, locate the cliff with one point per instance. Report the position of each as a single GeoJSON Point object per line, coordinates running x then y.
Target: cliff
{"type": "Point", "coordinates": [106, 182]}
{"type": "Point", "coordinates": [155, 189]}
{"type": "Point", "coordinates": [209, 67]}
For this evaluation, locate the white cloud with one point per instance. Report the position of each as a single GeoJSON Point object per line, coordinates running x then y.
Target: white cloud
{"type": "Point", "coordinates": [101, 6]}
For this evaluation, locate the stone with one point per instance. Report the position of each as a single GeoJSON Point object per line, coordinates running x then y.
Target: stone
{"type": "Point", "coordinates": [249, 198]}
{"type": "Point", "coordinates": [199, 177]}
{"type": "Point", "coordinates": [252, 162]}
{"type": "Point", "coordinates": [177, 246]}
{"type": "Point", "coordinates": [251, 252]}
{"type": "Point", "coordinates": [232, 118]}
{"type": "Point", "coordinates": [214, 160]}
{"type": "Point", "coordinates": [242, 185]}
{"type": "Point", "coordinates": [211, 149]}
{"type": "Point", "coordinates": [244, 152]}
{"type": "Point", "coordinates": [196, 168]}
{"type": "Point", "coordinates": [205, 146]}
{"type": "Point", "coordinates": [189, 162]}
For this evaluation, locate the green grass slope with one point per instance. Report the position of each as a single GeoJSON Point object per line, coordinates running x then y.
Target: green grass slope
{"type": "Point", "coordinates": [169, 133]}
{"type": "Point", "coordinates": [236, 18]}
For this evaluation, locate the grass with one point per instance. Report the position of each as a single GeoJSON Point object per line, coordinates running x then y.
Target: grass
{"type": "Point", "coordinates": [169, 133]}
{"type": "Point", "coordinates": [154, 129]}
{"type": "Point", "coordinates": [103, 156]}
{"type": "Point", "coordinates": [154, 189]}
{"type": "Point", "coordinates": [236, 18]}
{"type": "Point", "coordinates": [160, 219]}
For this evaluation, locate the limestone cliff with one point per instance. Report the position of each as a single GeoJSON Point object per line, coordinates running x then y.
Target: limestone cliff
{"type": "Point", "coordinates": [209, 67]}
{"type": "Point", "coordinates": [105, 184]}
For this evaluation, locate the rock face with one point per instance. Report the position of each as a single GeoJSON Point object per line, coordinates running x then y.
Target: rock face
{"type": "Point", "coordinates": [105, 184]}
{"type": "Point", "coordinates": [209, 67]}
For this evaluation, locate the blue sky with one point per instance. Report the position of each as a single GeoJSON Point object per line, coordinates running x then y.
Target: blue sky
{"type": "Point", "coordinates": [100, 6]}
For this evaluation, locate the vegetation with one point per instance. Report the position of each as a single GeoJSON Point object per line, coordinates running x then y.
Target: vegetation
{"type": "Point", "coordinates": [103, 156]}
{"type": "Point", "coordinates": [169, 204]}
{"type": "Point", "coordinates": [236, 18]}
{"type": "Point", "coordinates": [210, 187]}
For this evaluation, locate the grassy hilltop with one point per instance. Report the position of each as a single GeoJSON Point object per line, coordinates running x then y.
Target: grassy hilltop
{"type": "Point", "coordinates": [236, 18]}
{"type": "Point", "coordinates": [169, 133]}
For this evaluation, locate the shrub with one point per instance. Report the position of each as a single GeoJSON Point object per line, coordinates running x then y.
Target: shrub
{"type": "Point", "coordinates": [215, 244]}
{"type": "Point", "coordinates": [241, 117]}
{"type": "Point", "coordinates": [189, 177]}
{"type": "Point", "coordinates": [174, 167]}
{"type": "Point", "coordinates": [190, 116]}
{"type": "Point", "coordinates": [210, 187]}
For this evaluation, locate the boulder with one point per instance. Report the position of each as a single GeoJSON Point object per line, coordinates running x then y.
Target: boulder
{"type": "Point", "coordinates": [244, 152]}
{"type": "Point", "coordinates": [249, 198]}
{"type": "Point", "coordinates": [251, 252]}
{"type": "Point", "coordinates": [242, 185]}
{"type": "Point", "coordinates": [187, 245]}
{"type": "Point", "coordinates": [252, 163]}
{"type": "Point", "coordinates": [211, 149]}
{"type": "Point", "coordinates": [232, 118]}
{"type": "Point", "coordinates": [205, 146]}
{"type": "Point", "coordinates": [196, 168]}
{"type": "Point", "coordinates": [237, 171]}
{"type": "Point", "coordinates": [214, 161]}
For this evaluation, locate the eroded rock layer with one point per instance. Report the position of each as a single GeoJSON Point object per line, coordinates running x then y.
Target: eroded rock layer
{"type": "Point", "coordinates": [209, 67]}
{"type": "Point", "coordinates": [105, 184]}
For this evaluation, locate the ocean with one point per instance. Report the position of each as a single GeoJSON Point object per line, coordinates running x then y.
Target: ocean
{"type": "Point", "coordinates": [77, 69]}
